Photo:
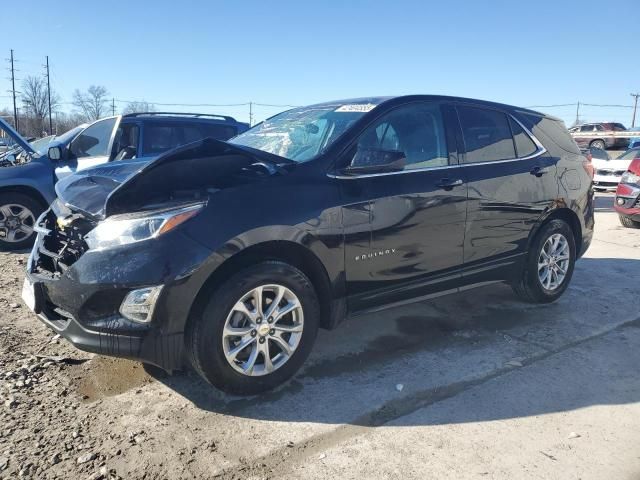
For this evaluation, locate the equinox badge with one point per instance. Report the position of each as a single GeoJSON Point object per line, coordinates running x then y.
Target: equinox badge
{"type": "Point", "coordinates": [379, 253]}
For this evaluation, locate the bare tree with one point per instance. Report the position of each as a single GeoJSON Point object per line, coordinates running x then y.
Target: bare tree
{"type": "Point", "coordinates": [139, 106]}
{"type": "Point", "coordinates": [36, 103]}
{"type": "Point", "coordinates": [92, 103]}
{"type": "Point", "coordinates": [67, 121]}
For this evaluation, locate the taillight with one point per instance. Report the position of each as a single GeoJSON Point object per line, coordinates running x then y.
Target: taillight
{"type": "Point", "coordinates": [634, 166]}
{"type": "Point", "coordinates": [588, 166]}
{"type": "Point", "coordinates": [625, 190]}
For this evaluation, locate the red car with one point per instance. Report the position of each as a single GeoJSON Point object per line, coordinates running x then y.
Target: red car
{"type": "Point", "coordinates": [627, 202]}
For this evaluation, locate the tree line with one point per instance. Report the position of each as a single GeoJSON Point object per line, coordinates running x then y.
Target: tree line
{"type": "Point", "coordinates": [88, 106]}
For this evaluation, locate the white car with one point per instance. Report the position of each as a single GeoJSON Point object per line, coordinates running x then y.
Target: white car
{"type": "Point", "coordinates": [609, 171]}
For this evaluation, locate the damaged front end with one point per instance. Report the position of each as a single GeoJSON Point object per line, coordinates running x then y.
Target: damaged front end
{"type": "Point", "coordinates": [105, 271]}
{"type": "Point", "coordinates": [62, 240]}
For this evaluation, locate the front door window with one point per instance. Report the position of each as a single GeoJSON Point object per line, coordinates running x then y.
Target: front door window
{"type": "Point", "coordinates": [94, 141]}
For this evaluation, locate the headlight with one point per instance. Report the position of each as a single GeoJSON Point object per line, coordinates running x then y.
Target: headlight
{"type": "Point", "coordinates": [131, 228]}
{"type": "Point", "coordinates": [629, 177]}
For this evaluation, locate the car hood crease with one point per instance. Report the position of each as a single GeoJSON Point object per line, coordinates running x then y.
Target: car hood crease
{"type": "Point", "coordinates": [118, 187]}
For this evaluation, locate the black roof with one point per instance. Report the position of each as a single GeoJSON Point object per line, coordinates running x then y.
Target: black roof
{"type": "Point", "coordinates": [378, 100]}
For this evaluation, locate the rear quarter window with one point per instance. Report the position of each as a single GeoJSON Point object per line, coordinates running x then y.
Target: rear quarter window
{"type": "Point", "coordinates": [553, 130]}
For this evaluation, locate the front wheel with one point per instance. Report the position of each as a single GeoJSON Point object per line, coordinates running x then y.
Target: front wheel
{"type": "Point", "coordinates": [256, 329]}
{"type": "Point", "coordinates": [598, 144]}
{"type": "Point", "coordinates": [627, 222]}
{"type": "Point", "coordinates": [18, 215]}
{"type": "Point", "coordinates": [549, 264]}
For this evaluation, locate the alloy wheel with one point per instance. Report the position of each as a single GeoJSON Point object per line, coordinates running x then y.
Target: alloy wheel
{"type": "Point", "coordinates": [553, 261]}
{"type": "Point", "coordinates": [16, 222]}
{"type": "Point", "coordinates": [263, 330]}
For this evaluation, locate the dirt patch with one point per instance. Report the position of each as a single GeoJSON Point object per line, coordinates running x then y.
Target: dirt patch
{"type": "Point", "coordinates": [105, 377]}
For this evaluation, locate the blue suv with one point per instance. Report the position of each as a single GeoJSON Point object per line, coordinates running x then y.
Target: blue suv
{"type": "Point", "coordinates": [28, 176]}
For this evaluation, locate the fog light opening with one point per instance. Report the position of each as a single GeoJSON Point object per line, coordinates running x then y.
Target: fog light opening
{"type": "Point", "coordinates": [620, 201]}
{"type": "Point", "coordinates": [139, 304]}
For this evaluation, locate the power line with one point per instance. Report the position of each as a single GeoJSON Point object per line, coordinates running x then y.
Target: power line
{"type": "Point", "coordinates": [244, 104]}
{"type": "Point", "coordinates": [187, 104]}
{"type": "Point", "coordinates": [608, 106]}
{"type": "Point", "coordinates": [583, 104]}
{"type": "Point", "coordinates": [553, 106]}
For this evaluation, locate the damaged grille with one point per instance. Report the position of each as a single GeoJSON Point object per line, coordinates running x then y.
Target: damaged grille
{"type": "Point", "coordinates": [62, 245]}
{"type": "Point", "coordinates": [605, 173]}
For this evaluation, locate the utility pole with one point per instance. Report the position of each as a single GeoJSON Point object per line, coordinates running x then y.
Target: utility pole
{"type": "Point", "coordinates": [113, 107]}
{"type": "Point", "coordinates": [635, 107]}
{"type": "Point", "coordinates": [13, 92]}
{"type": "Point", "coordinates": [49, 98]}
{"type": "Point", "coordinates": [578, 114]}
{"type": "Point", "coordinates": [250, 114]}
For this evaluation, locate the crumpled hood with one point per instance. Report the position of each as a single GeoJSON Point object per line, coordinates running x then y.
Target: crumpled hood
{"type": "Point", "coordinates": [126, 186]}
{"type": "Point", "coordinates": [88, 189]}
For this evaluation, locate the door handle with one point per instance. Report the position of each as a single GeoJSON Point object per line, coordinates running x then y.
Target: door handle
{"type": "Point", "coordinates": [448, 184]}
{"type": "Point", "coordinates": [538, 171]}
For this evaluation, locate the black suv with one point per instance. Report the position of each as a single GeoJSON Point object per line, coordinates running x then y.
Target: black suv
{"type": "Point", "coordinates": [233, 254]}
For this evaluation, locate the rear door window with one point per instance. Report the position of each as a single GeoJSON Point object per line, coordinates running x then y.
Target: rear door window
{"type": "Point", "coordinates": [159, 137]}
{"type": "Point", "coordinates": [219, 132]}
{"type": "Point", "coordinates": [162, 136]}
{"type": "Point", "coordinates": [487, 135]}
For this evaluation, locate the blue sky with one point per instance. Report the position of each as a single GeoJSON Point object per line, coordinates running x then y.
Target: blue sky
{"type": "Point", "coordinates": [296, 52]}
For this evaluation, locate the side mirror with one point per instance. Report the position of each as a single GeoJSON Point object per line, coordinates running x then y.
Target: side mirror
{"type": "Point", "coordinates": [55, 153]}
{"type": "Point", "coordinates": [374, 160]}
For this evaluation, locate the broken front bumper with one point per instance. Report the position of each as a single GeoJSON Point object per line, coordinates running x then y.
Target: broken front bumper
{"type": "Point", "coordinates": [82, 303]}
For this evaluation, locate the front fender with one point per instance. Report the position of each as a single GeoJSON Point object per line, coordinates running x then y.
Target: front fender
{"type": "Point", "coordinates": [37, 175]}
{"type": "Point", "coordinates": [187, 291]}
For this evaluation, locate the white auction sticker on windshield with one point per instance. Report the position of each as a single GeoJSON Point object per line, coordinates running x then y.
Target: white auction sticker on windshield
{"type": "Point", "coordinates": [357, 107]}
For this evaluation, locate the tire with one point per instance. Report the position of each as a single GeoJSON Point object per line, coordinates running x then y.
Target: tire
{"type": "Point", "coordinates": [598, 144]}
{"type": "Point", "coordinates": [209, 349]}
{"type": "Point", "coordinates": [16, 232]}
{"type": "Point", "coordinates": [627, 222]}
{"type": "Point", "coordinates": [530, 287]}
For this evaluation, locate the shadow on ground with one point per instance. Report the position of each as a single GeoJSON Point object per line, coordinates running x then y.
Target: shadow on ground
{"type": "Point", "coordinates": [446, 344]}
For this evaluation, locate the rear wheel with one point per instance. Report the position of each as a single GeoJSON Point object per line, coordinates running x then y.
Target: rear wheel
{"type": "Point", "coordinates": [256, 329]}
{"type": "Point", "coordinates": [18, 215]}
{"type": "Point", "coordinates": [627, 222]}
{"type": "Point", "coordinates": [598, 144]}
{"type": "Point", "coordinates": [549, 264]}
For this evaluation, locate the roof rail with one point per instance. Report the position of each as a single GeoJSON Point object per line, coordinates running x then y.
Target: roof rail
{"type": "Point", "coordinates": [182, 114]}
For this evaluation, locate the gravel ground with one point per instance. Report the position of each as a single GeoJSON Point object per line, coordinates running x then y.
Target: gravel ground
{"type": "Point", "coordinates": [477, 385]}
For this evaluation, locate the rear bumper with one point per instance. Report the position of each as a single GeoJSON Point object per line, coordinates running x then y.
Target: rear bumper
{"type": "Point", "coordinates": [632, 213]}
{"type": "Point", "coordinates": [627, 201]}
